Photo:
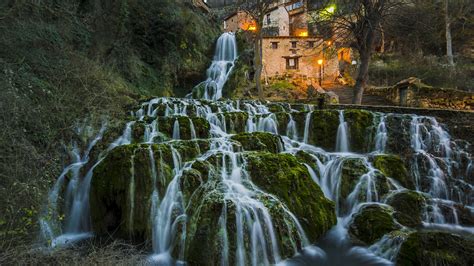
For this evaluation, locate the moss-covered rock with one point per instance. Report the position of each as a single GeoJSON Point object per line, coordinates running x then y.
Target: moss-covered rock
{"type": "Point", "coordinates": [393, 166]}
{"type": "Point", "coordinates": [120, 191]}
{"type": "Point", "coordinates": [122, 184]}
{"type": "Point", "coordinates": [371, 222]}
{"type": "Point", "coordinates": [323, 128]}
{"type": "Point", "coordinates": [361, 128]}
{"type": "Point", "coordinates": [408, 206]}
{"type": "Point", "coordinates": [354, 180]}
{"type": "Point", "coordinates": [235, 121]}
{"type": "Point", "coordinates": [436, 248]}
{"type": "Point", "coordinates": [283, 176]}
{"type": "Point", "coordinates": [259, 141]}
{"type": "Point", "coordinates": [201, 126]}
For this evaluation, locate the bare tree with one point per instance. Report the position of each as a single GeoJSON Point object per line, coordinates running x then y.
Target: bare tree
{"type": "Point", "coordinates": [257, 9]}
{"type": "Point", "coordinates": [449, 39]}
{"type": "Point", "coordinates": [354, 22]}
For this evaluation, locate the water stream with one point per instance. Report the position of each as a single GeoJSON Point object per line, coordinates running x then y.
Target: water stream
{"type": "Point", "coordinates": [435, 161]}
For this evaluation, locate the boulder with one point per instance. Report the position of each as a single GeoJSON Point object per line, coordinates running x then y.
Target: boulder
{"type": "Point", "coordinates": [409, 206]}
{"type": "Point", "coordinates": [286, 178]}
{"type": "Point", "coordinates": [259, 141]}
{"type": "Point", "coordinates": [393, 166]}
{"type": "Point", "coordinates": [371, 222]}
{"type": "Point", "coordinates": [431, 247]}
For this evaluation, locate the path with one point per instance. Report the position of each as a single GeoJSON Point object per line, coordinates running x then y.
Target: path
{"type": "Point", "coordinates": [345, 95]}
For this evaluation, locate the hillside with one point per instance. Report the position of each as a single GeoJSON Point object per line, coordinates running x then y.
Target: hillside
{"type": "Point", "coordinates": [67, 61]}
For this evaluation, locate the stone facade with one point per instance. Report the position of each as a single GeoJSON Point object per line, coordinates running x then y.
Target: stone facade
{"type": "Point", "coordinates": [298, 56]}
{"type": "Point", "coordinates": [278, 21]}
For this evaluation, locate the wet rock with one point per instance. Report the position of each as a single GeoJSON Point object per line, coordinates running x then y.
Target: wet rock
{"type": "Point", "coordinates": [259, 141]}
{"type": "Point", "coordinates": [122, 184]}
{"type": "Point", "coordinates": [361, 129]}
{"type": "Point", "coordinates": [283, 176]}
{"type": "Point", "coordinates": [408, 206]}
{"type": "Point", "coordinates": [392, 166]}
{"type": "Point", "coordinates": [371, 222]}
{"type": "Point", "coordinates": [356, 177]}
{"type": "Point", "coordinates": [436, 248]}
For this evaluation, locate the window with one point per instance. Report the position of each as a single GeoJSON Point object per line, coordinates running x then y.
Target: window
{"type": "Point", "coordinates": [292, 63]}
{"type": "Point", "coordinates": [274, 45]}
{"type": "Point", "coordinates": [293, 44]}
{"type": "Point", "coordinates": [311, 44]}
{"type": "Point", "coordinates": [293, 51]}
{"type": "Point", "coordinates": [268, 19]}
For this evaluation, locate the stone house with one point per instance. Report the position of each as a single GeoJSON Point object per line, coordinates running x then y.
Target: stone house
{"type": "Point", "coordinates": [288, 47]}
{"type": "Point", "coordinates": [306, 57]}
{"type": "Point", "coordinates": [239, 20]}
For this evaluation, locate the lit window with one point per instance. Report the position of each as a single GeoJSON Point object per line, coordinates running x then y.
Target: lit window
{"type": "Point", "coordinates": [292, 63]}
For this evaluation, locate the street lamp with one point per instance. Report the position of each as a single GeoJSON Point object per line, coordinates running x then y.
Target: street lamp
{"type": "Point", "coordinates": [320, 63]}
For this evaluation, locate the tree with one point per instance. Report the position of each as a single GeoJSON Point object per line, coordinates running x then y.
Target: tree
{"type": "Point", "coordinates": [257, 9]}
{"type": "Point", "coordinates": [355, 22]}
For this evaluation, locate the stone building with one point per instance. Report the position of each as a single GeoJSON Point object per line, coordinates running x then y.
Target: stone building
{"type": "Point", "coordinates": [289, 47]}
{"type": "Point", "coordinates": [301, 57]}
{"type": "Point", "coordinates": [239, 20]}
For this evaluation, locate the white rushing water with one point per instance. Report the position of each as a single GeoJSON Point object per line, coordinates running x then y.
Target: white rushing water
{"type": "Point", "coordinates": [435, 169]}
{"type": "Point", "coordinates": [438, 167]}
{"type": "Point", "coordinates": [220, 69]}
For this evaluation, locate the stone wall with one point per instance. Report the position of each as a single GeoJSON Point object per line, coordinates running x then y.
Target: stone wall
{"type": "Point", "coordinates": [413, 93]}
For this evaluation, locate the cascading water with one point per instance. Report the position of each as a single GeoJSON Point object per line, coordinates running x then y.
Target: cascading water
{"type": "Point", "coordinates": [342, 141]}
{"type": "Point", "coordinates": [220, 69]}
{"type": "Point", "coordinates": [256, 241]}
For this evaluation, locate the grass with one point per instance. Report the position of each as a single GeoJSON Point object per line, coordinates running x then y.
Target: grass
{"type": "Point", "coordinates": [388, 70]}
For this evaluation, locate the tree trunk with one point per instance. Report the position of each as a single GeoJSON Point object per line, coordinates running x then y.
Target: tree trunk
{"type": "Point", "coordinates": [258, 62]}
{"type": "Point", "coordinates": [362, 77]}
{"type": "Point", "coordinates": [382, 39]}
{"type": "Point", "coordinates": [449, 40]}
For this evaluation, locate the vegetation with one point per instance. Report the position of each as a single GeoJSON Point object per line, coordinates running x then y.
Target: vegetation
{"type": "Point", "coordinates": [65, 61]}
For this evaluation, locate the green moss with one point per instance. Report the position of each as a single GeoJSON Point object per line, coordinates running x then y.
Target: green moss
{"type": "Point", "coordinates": [352, 171]}
{"type": "Point", "coordinates": [201, 126]}
{"type": "Point", "coordinates": [111, 194]}
{"type": "Point", "coordinates": [371, 222]}
{"type": "Point", "coordinates": [323, 129]}
{"type": "Point", "coordinates": [409, 206]}
{"type": "Point", "coordinates": [393, 166]}
{"type": "Point", "coordinates": [361, 128]}
{"type": "Point", "coordinates": [259, 141]}
{"type": "Point", "coordinates": [119, 192]}
{"type": "Point", "coordinates": [283, 176]}
{"type": "Point", "coordinates": [436, 248]}
{"type": "Point", "coordinates": [236, 121]}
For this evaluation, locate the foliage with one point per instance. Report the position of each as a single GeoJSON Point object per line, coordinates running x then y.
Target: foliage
{"type": "Point", "coordinates": [388, 70]}
{"type": "Point", "coordinates": [68, 63]}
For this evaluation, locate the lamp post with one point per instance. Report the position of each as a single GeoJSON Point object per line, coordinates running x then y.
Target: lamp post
{"type": "Point", "coordinates": [320, 63]}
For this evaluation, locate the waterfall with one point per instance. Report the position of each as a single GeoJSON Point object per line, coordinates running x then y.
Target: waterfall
{"type": "Point", "coordinates": [381, 135]}
{"type": "Point", "coordinates": [342, 141]}
{"type": "Point", "coordinates": [436, 166]}
{"type": "Point", "coordinates": [291, 130]}
{"type": "Point", "coordinates": [176, 133]}
{"type": "Point", "coordinates": [220, 69]}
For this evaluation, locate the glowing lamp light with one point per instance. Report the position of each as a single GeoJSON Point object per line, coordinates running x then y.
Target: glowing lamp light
{"type": "Point", "coordinates": [331, 9]}
{"type": "Point", "coordinates": [303, 34]}
{"type": "Point", "coordinates": [320, 61]}
{"type": "Point", "coordinates": [252, 28]}
{"type": "Point", "coordinates": [329, 42]}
